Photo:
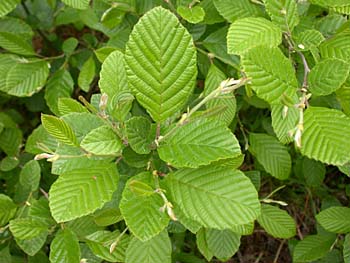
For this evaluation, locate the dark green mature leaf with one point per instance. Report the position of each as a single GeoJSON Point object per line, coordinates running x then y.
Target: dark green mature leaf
{"type": "Point", "coordinates": [328, 76]}
{"type": "Point", "coordinates": [277, 222]}
{"type": "Point", "coordinates": [11, 140]}
{"type": "Point", "coordinates": [271, 154]}
{"type": "Point", "coordinates": [65, 247]}
{"type": "Point", "coordinates": [7, 6]}
{"type": "Point", "coordinates": [59, 129]}
{"type": "Point", "coordinates": [312, 247]}
{"type": "Point", "coordinates": [199, 143]}
{"type": "Point", "coordinates": [140, 134]}
{"type": "Point", "coordinates": [223, 243]}
{"type": "Point", "coordinates": [7, 209]}
{"type": "Point", "coordinates": [215, 196]}
{"type": "Point", "coordinates": [102, 141]}
{"type": "Point", "coordinates": [60, 85]}
{"type": "Point", "coordinates": [30, 176]}
{"type": "Point", "coordinates": [142, 212]}
{"type": "Point", "coordinates": [87, 74]}
{"type": "Point", "coordinates": [161, 63]}
{"type": "Point", "coordinates": [234, 9]}
{"type": "Point", "coordinates": [79, 4]}
{"type": "Point", "coordinates": [283, 13]}
{"type": "Point", "coordinates": [271, 72]}
{"type": "Point", "coordinates": [346, 249]}
{"type": "Point", "coordinates": [82, 191]}
{"type": "Point", "coordinates": [314, 172]}
{"type": "Point", "coordinates": [247, 33]}
{"type": "Point", "coordinates": [335, 219]}
{"type": "Point", "coordinates": [325, 137]}
{"type": "Point", "coordinates": [157, 249]}
{"type": "Point", "coordinates": [40, 137]}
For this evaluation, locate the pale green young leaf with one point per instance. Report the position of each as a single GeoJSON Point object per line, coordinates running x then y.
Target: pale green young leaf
{"type": "Point", "coordinates": [142, 213]}
{"type": "Point", "coordinates": [284, 124]}
{"type": "Point", "coordinates": [245, 229]}
{"type": "Point", "coordinates": [161, 63]}
{"type": "Point", "coordinates": [157, 249]}
{"type": "Point", "coordinates": [100, 242]}
{"type": "Point", "coordinates": [16, 44]}
{"type": "Point", "coordinates": [193, 14]}
{"type": "Point", "coordinates": [325, 137]}
{"type": "Point", "coordinates": [102, 141]}
{"type": "Point", "coordinates": [30, 175]}
{"type": "Point", "coordinates": [78, 4]}
{"type": "Point", "coordinates": [335, 219]}
{"type": "Point", "coordinates": [222, 243]}
{"type": "Point", "coordinates": [140, 188]}
{"type": "Point", "coordinates": [33, 245]}
{"type": "Point", "coordinates": [277, 222]}
{"type": "Point", "coordinates": [27, 228]}
{"type": "Point", "coordinates": [199, 143]}
{"type": "Point", "coordinates": [271, 154]}
{"type": "Point", "coordinates": [337, 46]}
{"type": "Point", "coordinates": [6, 6]}
{"type": "Point", "coordinates": [65, 247]}
{"type": "Point", "coordinates": [312, 247]}
{"type": "Point", "coordinates": [87, 74]}
{"type": "Point", "coordinates": [82, 191]}
{"type": "Point", "coordinates": [7, 209]}
{"type": "Point", "coordinates": [202, 244]}
{"type": "Point", "coordinates": [271, 72]}
{"type": "Point", "coordinates": [140, 134]}
{"type": "Point", "coordinates": [59, 129]}
{"type": "Point", "coordinates": [192, 225]}
{"type": "Point", "coordinates": [120, 105]}
{"type": "Point", "coordinates": [346, 249]}
{"type": "Point", "coordinates": [215, 196]}
{"type": "Point", "coordinates": [234, 9]}
{"type": "Point", "coordinates": [59, 85]}
{"type": "Point", "coordinates": [283, 13]}
{"type": "Point", "coordinates": [228, 101]}
{"type": "Point", "coordinates": [26, 76]}
{"type": "Point", "coordinates": [250, 32]}
{"type": "Point", "coordinates": [69, 105]}
{"type": "Point", "coordinates": [328, 76]}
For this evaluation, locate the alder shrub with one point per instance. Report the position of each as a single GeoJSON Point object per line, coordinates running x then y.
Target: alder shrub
{"type": "Point", "coordinates": [171, 131]}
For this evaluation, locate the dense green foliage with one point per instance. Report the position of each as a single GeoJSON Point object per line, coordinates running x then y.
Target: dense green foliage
{"type": "Point", "coordinates": [174, 131]}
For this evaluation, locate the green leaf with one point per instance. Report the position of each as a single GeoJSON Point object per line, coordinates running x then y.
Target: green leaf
{"type": "Point", "coordinates": [325, 137]}
{"type": "Point", "coordinates": [283, 13]}
{"type": "Point", "coordinates": [40, 137]}
{"type": "Point", "coordinates": [314, 172]}
{"type": "Point", "coordinates": [27, 228]}
{"type": "Point", "coordinates": [214, 78]}
{"type": "Point", "coordinates": [17, 26]}
{"type": "Point", "coordinates": [215, 196]}
{"type": "Point", "coordinates": [59, 129]}
{"type": "Point", "coordinates": [120, 105]}
{"type": "Point", "coordinates": [11, 140]}
{"type": "Point", "coordinates": [335, 219]}
{"type": "Point", "coordinates": [277, 222]}
{"type": "Point", "coordinates": [312, 247]}
{"type": "Point", "coordinates": [82, 191]}
{"type": "Point", "coordinates": [69, 45]}
{"type": "Point", "coordinates": [161, 63]}
{"type": "Point", "coordinates": [16, 44]}
{"type": "Point", "coordinates": [193, 14]}
{"type": "Point", "coordinates": [100, 242]}
{"type": "Point", "coordinates": [223, 243]}
{"type": "Point", "coordinates": [199, 143]}
{"type": "Point", "coordinates": [69, 105]}
{"type": "Point", "coordinates": [30, 175]}
{"type": "Point", "coordinates": [102, 141]}
{"type": "Point", "coordinates": [7, 209]}
{"type": "Point", "coordinates": [157, 249]}
{"type": "Point", "coordinates": [346, 249]}
{"type": "Point", "coordinates": [113, 75]}
{"type": "Point", "coordinates": [107, 216]}
{"type": "Point", "coordinates": [202, 244]}
{"type": "Point", "coordinates": [33, 245]}
{"type": "Point", "coordinates": [247, 33]}
{"type": "Point", "coordinates": [309, 39]}
{"type": "Point", "coordinates": [140, 134]}
{"type": "Point", "coordinates": [60, 85]}
{"type": "Point", "coordinates": [234, 9]}
{"type": "Point", "coordinates": [142, 213]}
{"type": "Point", "coordinates": [212, 15]}
{"type": "Point", "coordinates": [26, 76]}
{"type": "Point", "coordinates": [65, 247]}
{"type": "Point", "coordinates": [78, 4]}
{"type": "Point", "coordinates": [328, 76]}
{"type": "Point", "coordinates": [283, 125]}
{"type": "Point", "coordinates": [87, 74]}
{"type": "Point", "coordinates": [271, 72]}
{"type": "Point", "coordinates": [8, 163]}
{"type": "Point", "coordinates": [271, 154]}
{"type": "Point", "coordinates": [337, 46]}
{"type": "Point", "coordinates": [141, 188]}
{"type": "Point", "coordinates": [6, 6]}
